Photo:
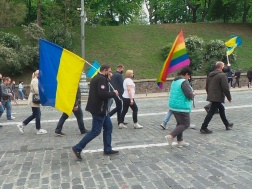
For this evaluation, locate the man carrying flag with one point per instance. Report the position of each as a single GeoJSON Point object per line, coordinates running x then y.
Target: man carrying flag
{"type": "Point", "coordinates": [97, 105]}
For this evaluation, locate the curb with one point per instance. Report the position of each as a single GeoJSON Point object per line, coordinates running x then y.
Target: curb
{"type": "Point", "coordinates": [142, 96]}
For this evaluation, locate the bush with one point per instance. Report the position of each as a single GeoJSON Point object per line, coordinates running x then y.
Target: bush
{"type": "Point", "coordinates": [10, 40]}
{"type": "Point", "coordinates": [33, 32]}
{"type": "Point", "coordinates": [215, 51]}
{"type": "Point", "coordinates": [61, 36]}
{"type": "Point", "coordinates": [9, 61]}
{"type": "Point", "coordinates": [194, 46]}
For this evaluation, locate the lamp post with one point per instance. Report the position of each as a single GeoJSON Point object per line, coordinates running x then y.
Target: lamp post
{"type": "Point", "coordinates": [83, 84]}
{"type": "Point", "coordinates": [83, 20]}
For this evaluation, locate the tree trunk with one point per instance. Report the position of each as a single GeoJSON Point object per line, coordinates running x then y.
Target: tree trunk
{"type": "Point", "coordinates": [39, 13]}
{"type": "Point", "coordinates": [245, 12]}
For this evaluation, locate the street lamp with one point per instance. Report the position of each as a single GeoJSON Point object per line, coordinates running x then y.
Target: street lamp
{"type": "Point", "coordinates": [83, 84]}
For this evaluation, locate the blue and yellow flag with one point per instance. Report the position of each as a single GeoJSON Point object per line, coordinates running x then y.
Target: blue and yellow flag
{"type": "Point", "coordinates": [94, 69]}
{"type": "Point", "coordinates": [232, 43]}
{"type": "Point", "coordinates": [60, 73]}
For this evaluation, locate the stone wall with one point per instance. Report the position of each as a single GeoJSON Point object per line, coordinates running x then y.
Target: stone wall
{"type": "Point", "coordinates": [149, 85]}
{"type": "Point", "coordinates": [198, 83]}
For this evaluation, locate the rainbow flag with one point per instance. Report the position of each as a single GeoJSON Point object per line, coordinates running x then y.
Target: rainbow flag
{"type": "Point", "coordinates": [94, 69]}
{"type": "Point", "coordinates": [177, 58]}
{"type": "Point", "coordinates": [232, 43]}
{"type": "Point", "coordinates": [60, 73]}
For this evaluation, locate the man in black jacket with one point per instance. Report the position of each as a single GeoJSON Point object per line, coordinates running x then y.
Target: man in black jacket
{"type": "Point", "coordinates": [97, 105]}
{"type": "Point", "coordinates": [217, 88]}
{"type": "Point", "coordinates": [77, 110]}
{"type": "Point", "coordinates": [237, 78]}
{"type": "Point", "coordinates": [117, 83]}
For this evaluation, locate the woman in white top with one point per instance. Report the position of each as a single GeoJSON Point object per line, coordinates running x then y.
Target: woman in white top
{"type": "Point", "coordinates": [128, 100]}
{"type": "Point", "coordinates": [36, 113]}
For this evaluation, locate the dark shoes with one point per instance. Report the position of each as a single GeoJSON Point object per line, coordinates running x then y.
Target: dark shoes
{"type": "Point", "coordinates": [113, 152]}
{"type": "Point", "coordinates": [84, 131]}
{"type": "Point", "coordinates": [205, 131]}
{"type": "Point", "coordinates": [59, 133]}
{"type": "Point", "coordinates": [229, 126]}
{"type": "Point", "coordinates": [1, 126]}
{"type": "Point", "coordinates": [77, 154]}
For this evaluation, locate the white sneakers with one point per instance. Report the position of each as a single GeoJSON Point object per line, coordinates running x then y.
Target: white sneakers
{"type": "Point", "coordinates": [21, 128]}
{"type": "Point", "coordinates": [169, 139]}
{"type": "Point", "coordinates": [137, 126]}
{"type": "Point", "coordinates": [122, 126]}
{"type": "Point", "coordinates": [41, 132]}
{"type": "Point", "coordinates": [180, 144]}
{"type": "Point", "coordinates": [12, 117]}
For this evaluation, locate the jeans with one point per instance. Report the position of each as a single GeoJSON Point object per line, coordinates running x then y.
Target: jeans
{"type": "Point", "coordinates": [117, 109]}
{"type": "Point", "coordinates": [1, 110]}
{"type": "Point", "coordinates": [126, 105]}
{"type": "Point", "coordinates": [36, 114]}
{"type": "Point", "coordinates": [183, 122]}
{"type": "Point", "coordinates": [211, 112]}
{"type": "Point", "coordinates": [98, 122]}
{"type": "Point", "coordinates": [7, 104]}
{"type": "Point", "coordinates": [167, 118]}
{"type": "Point", "coordinates": [20, 94]}
{"type": "Point", "coordinates": [79, 118]}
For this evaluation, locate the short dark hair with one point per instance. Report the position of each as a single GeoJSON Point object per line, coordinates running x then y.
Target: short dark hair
{"type": "Point", "coordinates": [185, 70]}
{"type": "Point", "coordinates": [105, 67]}
{"type": "Point", "coordinates": [120, 66]}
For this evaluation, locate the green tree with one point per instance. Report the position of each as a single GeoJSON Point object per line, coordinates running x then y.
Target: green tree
{"type": "Point", "coordinates": [11, 13]}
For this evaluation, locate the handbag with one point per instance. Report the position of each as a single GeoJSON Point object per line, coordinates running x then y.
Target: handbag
{"type": "Point", "coordinates": [36, 98]}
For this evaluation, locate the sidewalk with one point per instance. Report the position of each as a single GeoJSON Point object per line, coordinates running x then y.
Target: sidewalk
{"type": "Point", "coordinates": [141, 96]}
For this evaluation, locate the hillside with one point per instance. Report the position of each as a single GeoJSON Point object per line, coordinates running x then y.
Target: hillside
{"type": "Point", "coordinates": [139, 47]}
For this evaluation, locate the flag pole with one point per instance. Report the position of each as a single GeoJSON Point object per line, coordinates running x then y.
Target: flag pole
{"type": "Point", "coordinates": [96, 70]}
{"type": "Point", "coordinates": [228, 60]}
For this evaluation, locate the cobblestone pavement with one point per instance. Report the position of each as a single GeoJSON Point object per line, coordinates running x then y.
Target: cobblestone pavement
{"type": "Point", "coordinates": [219, 160]}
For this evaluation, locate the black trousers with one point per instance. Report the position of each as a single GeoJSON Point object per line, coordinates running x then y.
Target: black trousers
{"type": "Point", "coordinates": [183, 122]}
{"type": "Point", "coordinates": [117, 109]}
{"type": "Point", "coordinates": [126, 105]}
{"type": "Point", "coordinates": [211, 112]}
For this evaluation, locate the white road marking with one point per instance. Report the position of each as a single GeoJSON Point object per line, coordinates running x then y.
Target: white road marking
{"type": "Point", "coordinates": [128, 147]}
{"type": "Point", "coordinates": [129, 115]}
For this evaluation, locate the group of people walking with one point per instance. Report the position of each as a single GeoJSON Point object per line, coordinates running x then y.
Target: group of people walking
{"type": "Point", "coordinates": [106, 86]}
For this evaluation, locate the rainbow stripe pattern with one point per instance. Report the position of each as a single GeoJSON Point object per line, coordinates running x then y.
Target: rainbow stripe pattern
{"type": "Point", "coordinates": [177, 58]}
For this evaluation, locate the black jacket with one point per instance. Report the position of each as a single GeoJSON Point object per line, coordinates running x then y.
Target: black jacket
{"type": "Point", "coordinates": [117, 82]}
{"type": "Point", "coordinates": [217, 87]}
{"type": "Point", "coordinates": [99, 95]}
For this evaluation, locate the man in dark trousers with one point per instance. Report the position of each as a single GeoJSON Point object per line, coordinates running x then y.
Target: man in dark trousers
{"type": "Point", "coordinates": [237, 78]}
{"type": "Point", "coordinates": [77, 110]}
{"type": "Point", "coordinates": [97, 105]}
{"type": "Point", "coordinates": [249, 76]}
{"type": "Point", "coordinates": [117, 83]}
{"type": "Point", "coordinates": [217, 88]}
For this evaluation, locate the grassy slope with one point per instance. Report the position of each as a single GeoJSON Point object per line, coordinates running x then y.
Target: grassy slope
{"type": "Point", "coordinates": [139, 47]}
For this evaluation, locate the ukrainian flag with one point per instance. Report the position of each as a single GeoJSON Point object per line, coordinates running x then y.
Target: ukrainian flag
{"type": "Point", "coordinates": [60, 73]}
{"type": "Point", "coordinates": [94, 69]}
{"type": "Point", "coordinates": [232, 43]}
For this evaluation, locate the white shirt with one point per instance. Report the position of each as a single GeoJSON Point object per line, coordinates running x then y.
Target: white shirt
{"type": "Point", "coordinates": [126, 83]}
